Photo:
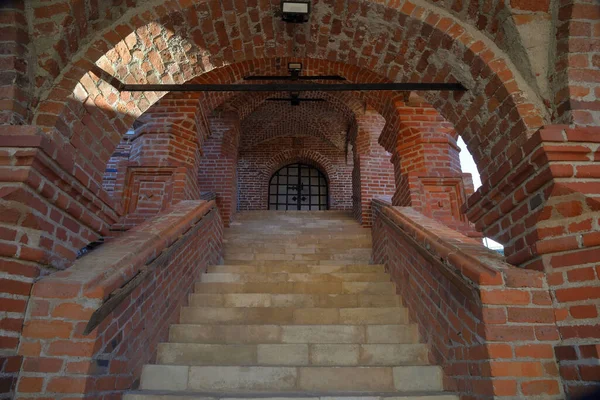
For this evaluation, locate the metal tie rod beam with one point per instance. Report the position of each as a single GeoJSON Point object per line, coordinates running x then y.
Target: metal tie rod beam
{"type": "Point", "coordinates": [276, 87]}
{"type": "Point", "coordinates": [297, 87]}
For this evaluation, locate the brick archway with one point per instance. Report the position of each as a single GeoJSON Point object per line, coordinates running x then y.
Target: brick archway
{"type": "Point", "coordinates": [305, 156]}
{"type": "Point", "coordinates": [488, 69]}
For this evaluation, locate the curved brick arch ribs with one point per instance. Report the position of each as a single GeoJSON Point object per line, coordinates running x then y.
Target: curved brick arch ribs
{"type": "Point", "coordinates": [454, 35]}
{"type": "Point", "coordinates": [576, 75]}
{"type": "Point", "coordinates": [71, 28]}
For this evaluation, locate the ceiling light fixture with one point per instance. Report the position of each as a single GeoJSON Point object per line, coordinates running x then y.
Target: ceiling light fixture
{"type": "Point", "coordinates": [295, 11]}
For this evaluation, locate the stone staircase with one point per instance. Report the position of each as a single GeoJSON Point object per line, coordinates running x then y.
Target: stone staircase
{"type": "Point", "coordinates": [295, 312]}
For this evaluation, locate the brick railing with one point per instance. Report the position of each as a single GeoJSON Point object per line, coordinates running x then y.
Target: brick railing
{"type": "Point", "coordinates": [490, 325]}
{"type": "Point", "coordinates": [91, 328]}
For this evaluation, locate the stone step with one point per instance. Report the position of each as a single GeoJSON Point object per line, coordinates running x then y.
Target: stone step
{"type": "Point", "coordinates": [298, 287]}
{"type": "Point", "coordinates": [292, 354]}
{"type": "Point", "coordinates": [318, 334]}
{"type": "Point", "coordinates": [285, 379]}
{"type": "Point", "coordinates": [293, 300]}
{"type": "Point", "coordinates": [152, 395]}
{"type": "Point", "coordinates": [299, 263]}
{"type": "Point", "coordinates": [316, 269]}
{"type": "Point", "coordinates": [365, 254]}
{"type": "Point", "coordinates": [293, 316]}
{"type": "Point", "coordinates": [298, 238]}
{"type": "Point", "coordinates": [293, 277]}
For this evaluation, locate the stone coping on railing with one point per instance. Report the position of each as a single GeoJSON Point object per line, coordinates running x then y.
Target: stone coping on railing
{"type": "Point", "coordinates": [100, 273]}
{"type": "Point", "coordinates": [468, 258]}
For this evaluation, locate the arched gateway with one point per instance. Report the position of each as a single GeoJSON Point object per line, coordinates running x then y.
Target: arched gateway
{"type": "Point", "coordinates": [200, 170]}
{"type": "Point", "coordinates": [298, 187]}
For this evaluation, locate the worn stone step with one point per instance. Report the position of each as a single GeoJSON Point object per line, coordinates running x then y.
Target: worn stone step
{"type": "Point", "coordinates": [321, 256]}
{"type": "Point", "coordinates": [293, 300]}
{"type": "Point", "coordinates": [299, 263]}
{"type": "Point", "coordinates": [293, 277]}
{"type": "Point", "coordinates": [263, 334]}
{"type": "Point", "coordinates": [298, 287]}
{"type": "Point", "coordinates": [332, 246]}
{"type": "Point", "coordinates": [284, 379]}
{"type": "Point", "coordinates": [420, 395]}
{"type": "Point", "coordinates": [292, 354]}
{"type": "Point", "coordinates": [291, 315]}
{"type": "Point", "coordinates": [316, 269]}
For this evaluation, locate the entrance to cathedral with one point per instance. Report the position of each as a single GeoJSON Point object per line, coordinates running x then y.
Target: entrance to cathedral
{"type": "Point", "coordinates": [298, 187]}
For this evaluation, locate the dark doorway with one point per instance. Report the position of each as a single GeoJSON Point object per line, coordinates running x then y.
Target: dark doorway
{"type": "Point", "coordinates": [298, 187]}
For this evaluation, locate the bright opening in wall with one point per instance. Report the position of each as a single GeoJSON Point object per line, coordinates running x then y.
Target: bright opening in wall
{"type": "Point", "coordinates": [467, 164]}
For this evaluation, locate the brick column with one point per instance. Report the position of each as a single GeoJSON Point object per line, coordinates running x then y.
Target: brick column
{"type": "Point", "coordinates": [49, 209]}
{"type": "Point", "coordinates": [373, 173]}
{"type": "Point", "coordinates": [544, 206]}
{"type": "Point", "coordinates": [160, 171]}
{"type": "Point", "coordinates": [427, 168]}
{"type": "Point", "coordinates": [218, 166]}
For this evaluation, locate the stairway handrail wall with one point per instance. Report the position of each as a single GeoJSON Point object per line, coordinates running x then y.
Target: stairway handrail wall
{"type": "Point", "coordinates": [490, 325]}
{"type": "Point", "coordinates": [131, 288]}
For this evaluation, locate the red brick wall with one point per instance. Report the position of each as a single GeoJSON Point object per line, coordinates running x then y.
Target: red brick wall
{"type": "Point", "coordinates": [15, 68]}
{"type": "Point", "coordinates": [544, 207]}
{"type": "Point", "coordinates": [121, 153]}
{"type": "Point", "coordinates": [576, 77]}
{"type": "Point", "coordinates": [373, 173]}
{"type": "Point", "coordinates": [46, 215]}
{"type": "Point", "coordinates": [218, 165]}
{"type": "Point", "coordinates": [60, 360]}
{"type": "Point", "coordinates": [489, 325]}
{"type": "Point", "coordinates": [257, 165]}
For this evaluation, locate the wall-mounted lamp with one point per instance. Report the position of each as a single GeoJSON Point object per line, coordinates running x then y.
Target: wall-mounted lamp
{"type": "Point", "coordinates": [294, 66]}
{"type": "Point", "coordinates": [295, 11]}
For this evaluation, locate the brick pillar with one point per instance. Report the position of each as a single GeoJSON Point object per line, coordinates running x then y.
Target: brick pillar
{"type": "Point", "coordinates": [543, 204]}
{"type": "Point", "coordinates": [427, 168]}
{"type": "Point", "coordinates": [373, 173]}
{"type": "Point", "coordinates": [49, 209]}
{"type": "Point", "coordinates": [160, 171]}
{"type": "Point", "coordinates": [218, 166]}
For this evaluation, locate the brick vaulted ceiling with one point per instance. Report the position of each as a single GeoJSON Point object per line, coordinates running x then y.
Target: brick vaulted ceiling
{"type": "Point", "coordinates": [275, 119]}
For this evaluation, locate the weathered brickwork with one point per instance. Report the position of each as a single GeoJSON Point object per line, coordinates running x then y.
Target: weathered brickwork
{"type": "Point", "coordinates": [428, 175]}
{"type": "Point", "coordinates": [68, 176]}
{"type": "Point", "coordinates": [109, 359]}
{"type": "Point", "coordinates": [490, 325]}
{"type": "Point", "coordinates": [373, 173]}
{"type": "Point", "coordinates": [218, 165]}
{"type": "Point", "coordinates": [545, 208]}
{"type": "Point", "coordinates": [577, 70]}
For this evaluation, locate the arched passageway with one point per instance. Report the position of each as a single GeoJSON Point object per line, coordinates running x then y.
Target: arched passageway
{"type": "Point", "coordinates": [68, 177]}
{"type": "Point", "coordinates": [299, 187]}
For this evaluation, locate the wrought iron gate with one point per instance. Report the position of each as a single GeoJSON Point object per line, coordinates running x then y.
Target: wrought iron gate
{"type": "Point", "coordinates": [298, 187]}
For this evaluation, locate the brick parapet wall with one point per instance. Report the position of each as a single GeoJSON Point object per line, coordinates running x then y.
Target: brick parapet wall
{"type": "Point", "coordinates": [257, 165]}
{"type": "Point", "coordinates": [490, 326]}
{"type": "Point", "coordinates": [162, 259]}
